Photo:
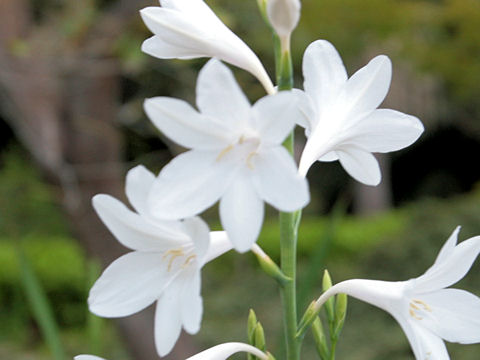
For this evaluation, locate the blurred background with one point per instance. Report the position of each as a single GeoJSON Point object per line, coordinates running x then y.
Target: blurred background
{"type": "Point", "coordinates": [72, 83]}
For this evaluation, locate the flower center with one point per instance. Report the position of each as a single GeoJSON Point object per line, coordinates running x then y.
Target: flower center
{"type": "Point", "coordinates": [179, 253]}
{"type": "Point", "coordinates": [248, 146]}
{"type": "Point", "coordinates": [417, 307]}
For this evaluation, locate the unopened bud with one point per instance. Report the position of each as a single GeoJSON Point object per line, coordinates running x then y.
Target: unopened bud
{"type": "Point", "coordinates": [340, 313]}
{"type": "Point", "coordinates": [320, 339]}
{"type": "Point", "coordinates": [283, 15]}
{"type": "Point", "coordinates": [329, 305]}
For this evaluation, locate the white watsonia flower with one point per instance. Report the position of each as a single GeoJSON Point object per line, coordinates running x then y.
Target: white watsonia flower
{"type": "Point", "coordinates": [224, 351]}
{"type": "Point", "coordinates": [219, 352]}
{"type": "Point", "coordinates": [164, 265]}
{"type": "Point", "coordinates": [424, 308]}
{"type": "Point", "coordinates": [187, 29]}
{"type": "Point", "coordinates": [283, 15]}
{"type": "Point", "coordinates": [345, 123]}
{"type": "Point", "coordinates": [237, 155]}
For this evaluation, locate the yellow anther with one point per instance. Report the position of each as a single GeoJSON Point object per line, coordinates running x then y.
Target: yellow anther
{"type": "Point", "coordinates": [249, 160]}
{"type": "Point", "coordinates": [413, 315]}
{"type": "Point", "coordinates": [174, 253]}
{"type": "Point", "coordinates": [224, 152]}
{"type": "Point", "coordinates": [414, 306]}
{"type": "Point", "coordinates": [423, 304]}
{"type": "Point", "coordinates": [188, 260]}
{"type": "Point", "coordinates": [241, 140]}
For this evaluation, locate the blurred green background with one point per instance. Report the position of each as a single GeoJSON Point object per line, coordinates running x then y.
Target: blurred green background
{"type": "Point", "coordinates": [72, 83]}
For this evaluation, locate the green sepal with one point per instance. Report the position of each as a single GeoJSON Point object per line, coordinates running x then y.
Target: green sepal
{"type": "Point", "coordinates": [329, 304]}
{"type": "Point", "coordinates": [259, 337]}
{"type": "Point", "coordinates": [320, 340]}
{"type": "Point", "coordinates": [340, 313]}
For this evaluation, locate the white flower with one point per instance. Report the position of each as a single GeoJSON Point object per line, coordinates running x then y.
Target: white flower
{"type": "Point", "coordinates": [164, 266]}
{"type": "Point", "coordinates": [187, 29]}
{"type": "Point", "coordinates": [236, 155]}
{"type": "Point", "coordinates": [219, 352]}
{"type": "Point", "coordinates": [224, 351]}
{"type": "Point", "coordinates": [283, 15]}
{"type": "Point", "coordinates": [345, 123]}
{"type": "Point", "coordinates": [424, 308]}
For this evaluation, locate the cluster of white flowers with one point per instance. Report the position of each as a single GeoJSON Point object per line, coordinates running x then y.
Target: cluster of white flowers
{"type": "Point", "coordinates": [236, 156]}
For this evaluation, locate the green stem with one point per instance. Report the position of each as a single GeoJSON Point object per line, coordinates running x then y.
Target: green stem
{"type": "Point", "coordinates": [288, 223]}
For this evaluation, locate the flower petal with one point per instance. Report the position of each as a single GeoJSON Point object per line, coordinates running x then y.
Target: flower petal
{"type": "Point", "coordinates": [449, 247]}
{"type": "Point", "coordinates": [219, 245]}
{"type": "Point", "coordinates": [385, 130]}
{"type": "Point", "coordinates": [283, 15]}
{"type": "Point", "coordinates": [199, 233]}
{"type": "Point", "coordinates": [324, 74]}
{"type": "Point", "coordinates": [129, 284]}
{"type": "Point", "coordinates": [168, 320]}
{"type": "Point", "coordinates": [224, 351]}
{"type": "Point", "coordinates": [220, 96]}
{"type": "Point", "coordinates": [241, 213]}
{"type": "Point", "coordinates": [87, 357]}
{"type": "Point", "coordinates": [454, 316]}
{"type": "Point", "coordinates": [191, 303]}
{"type": "Point", "coordinates": [451, 269]}
{"type": "Point", "coordinates": [360, 164]}
{"type": "Point", "coordinates": [190, 183]}
{"type": "Point", "coordinates": [157, 47]}
{"type": "Point", "coordinates": [367, 88]}
{"type": "Point", "coordinates": [425, 345]}
{"type": "Point", "coordinates": [138, 184]}
{"type": "Point", "coordinates": [274, 116]}
{"type": "Point", "coordinates": [132, 230]}
{"type": "Point", "coordinates": [184, 125]}
{"type": "Point", "coordinates": [277, 181]}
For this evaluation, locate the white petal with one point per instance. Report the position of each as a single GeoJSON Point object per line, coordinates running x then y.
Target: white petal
{"type": "Point", "coordinates": [449, 247]}
{"type": "Point", "coordinates": [274, 116]}
{"type": "Point", "coordinates": [199, 233]}
{"type": "Point", "coordinates": [367, 88]}
{"type": "Point", "coordinates": [328, 157]}
{"type": "Point", "coordinates": [385, 130]}
{"type": "Point", "coordinates": [190, 183]}
{"type": "Point", "coordinates": [138, 184]}
{"type": "Point", "coordinates": [87, 357]}
{"type": "Point", "coordinates": [425, 345]}
{"type": "Point", "coordinates": [191, 304]}
{"type": "Point", "coordinates": [324, 74]}
{"type": "Point", "coordinates": [184, 125]}
{"type": "Point", "coordinates": [241, 213]}
{"type": "Point", "coordinates": [129, 284]}
{"type": "Point", "coordinates": [307, 109]}
{"type": "Point", "coordinates": [454, 316]}
{"type": "Point", "coordinates": [451, 269]}
{"type": "Point", "coordinates": [182, 30]}
{"type": "Point", "coordinates": [360, 164]}
{"type": "Point", "coordinates": [224, 351]}
{"type": "Point", "coordinates": [277, 181]}
{"type": "Point", "coordinates": [219, 245]}
{"type": "Point", "coordinates": [132, 230]}
{"type": "Point", "coordinates": [159, 48]}
{"type": "Point", "coordinates": [220, 96]}
{"type": "Point", "coordinates": [168, 320]}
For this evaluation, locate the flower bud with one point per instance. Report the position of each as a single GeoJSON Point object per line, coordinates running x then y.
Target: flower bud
{"type": "Point", "coordinates": [329, 305]}
{"type": "Point", "coordinates": [283, 15]}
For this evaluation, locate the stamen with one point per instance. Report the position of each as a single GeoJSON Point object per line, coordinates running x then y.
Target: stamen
{"type": "Point", "coordinates": [188, 260]}
{"type": "Point", "coordinates": [174, 253]}
{"type": "Point", "coordinates": [414, 306]}
{"type": "Point", "coordinates": [424, 305]}
{"type": "Point", "coordinates": [224, 152]}
{"type": "Point", "coordinates": [413, 315]}
{"type": "Point", "coordinates": [249, 160]}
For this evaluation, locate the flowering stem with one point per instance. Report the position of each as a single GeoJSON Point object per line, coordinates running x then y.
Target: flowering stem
{"type": "Point", "coordinates": [288, 223]}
